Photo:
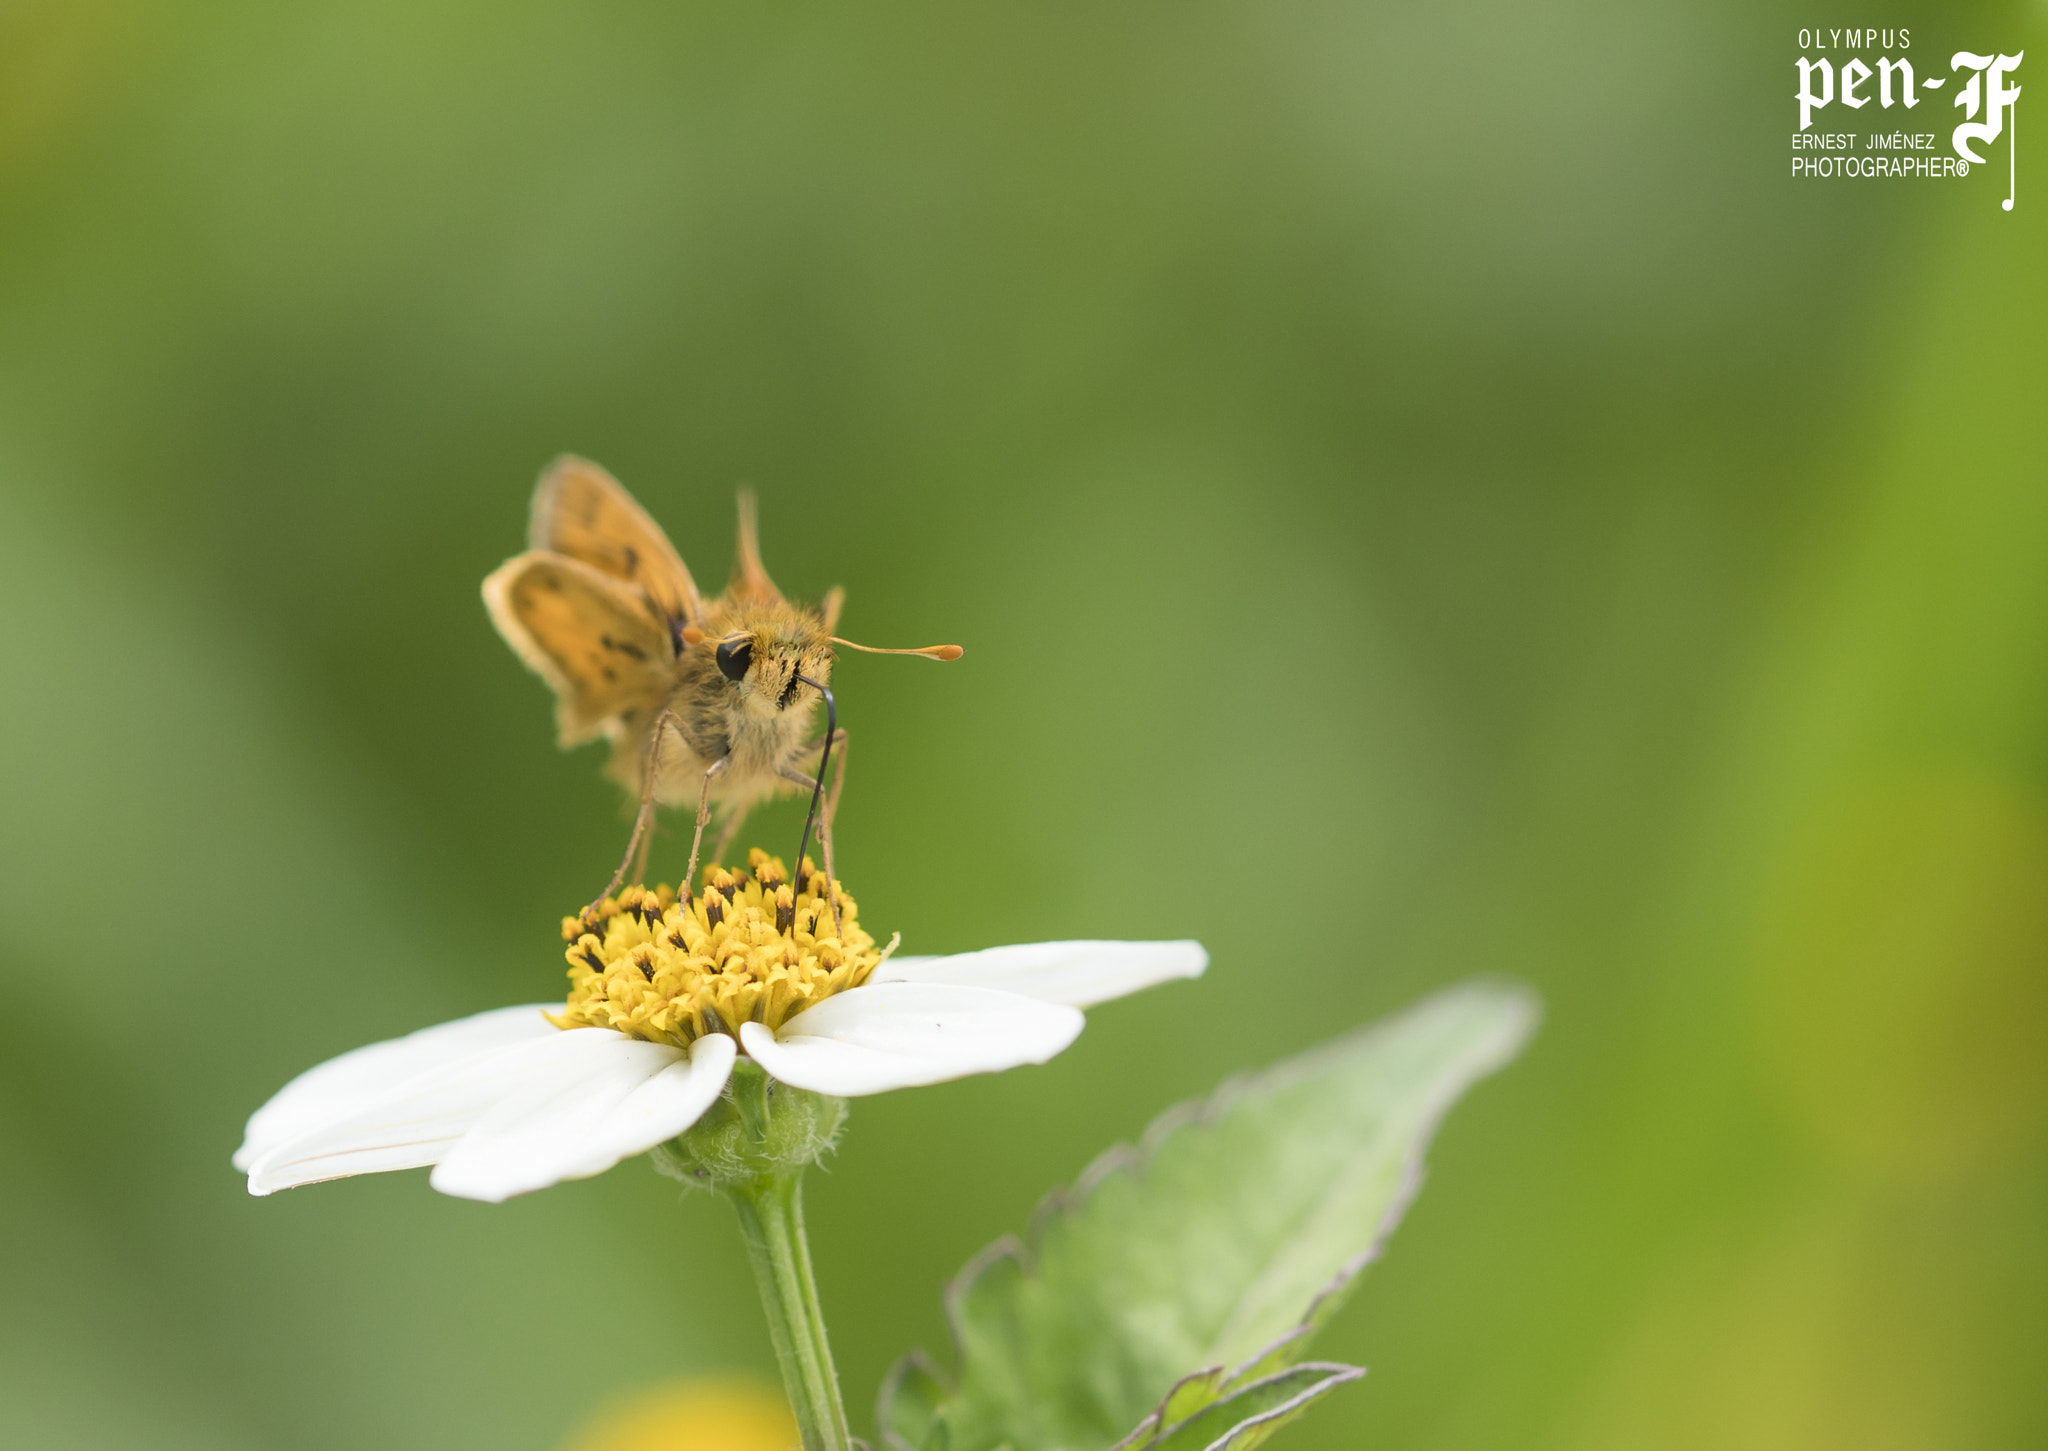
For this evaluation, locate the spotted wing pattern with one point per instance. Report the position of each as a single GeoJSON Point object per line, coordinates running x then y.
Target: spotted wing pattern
{"type": "Point", "coordinates": [598, 641]}
{"type": "Point", "coordinates": [583, 512]}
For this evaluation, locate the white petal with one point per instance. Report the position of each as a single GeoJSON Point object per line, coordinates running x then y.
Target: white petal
{"type": "Point", "coordinates": [416, 1121]}
{"type": "Point", "coordinates": [341, 1086]}
{"type": "Point", "coordinates": [673, 1099]}
{"type": "Point", "coordinates": [899, 1034]}
{"type": "Point", "coordinates": [632, 1096]}
{"type": "Point", "coordinates": [1077, 973]}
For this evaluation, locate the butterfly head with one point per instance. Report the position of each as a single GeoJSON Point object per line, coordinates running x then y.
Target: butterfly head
{"type": "Point", "coordinates": [774, 663]}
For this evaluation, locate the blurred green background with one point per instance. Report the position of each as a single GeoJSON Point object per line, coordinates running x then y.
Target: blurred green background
{"type": "Point", "coordinates": [1422, 491]}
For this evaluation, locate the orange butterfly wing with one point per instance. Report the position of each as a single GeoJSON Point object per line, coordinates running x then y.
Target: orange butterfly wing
{"type": "Point", "coordinates": [597, 640]}
{"type": "Point", "coordinates": [583, 512]}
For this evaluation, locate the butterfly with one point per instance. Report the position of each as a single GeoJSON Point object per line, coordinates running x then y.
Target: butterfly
{"type": "Point", "coordinates": [712, 698]}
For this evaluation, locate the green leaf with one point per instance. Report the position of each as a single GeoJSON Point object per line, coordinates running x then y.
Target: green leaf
{"type": "Point", "coordinates": [1233, 1230]}
{"type": "Point", "coordinates": [1204, 1388]}
{"type": "Point", "coordinates": [1245, 1414]}
{"type": "Point", "coordinates": [913, 1393]}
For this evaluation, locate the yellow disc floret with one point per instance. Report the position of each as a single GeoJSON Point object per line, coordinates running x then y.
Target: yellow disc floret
{"type": "Point", "coordinates": [748, 948]}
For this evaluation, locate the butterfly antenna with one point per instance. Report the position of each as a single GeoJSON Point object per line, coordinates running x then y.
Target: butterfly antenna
{"type": "Point", "coordinates": [929, 652]}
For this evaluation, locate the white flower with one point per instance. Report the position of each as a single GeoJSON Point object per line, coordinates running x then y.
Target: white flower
{"type": "Point", "coordinates": [506, 1101]}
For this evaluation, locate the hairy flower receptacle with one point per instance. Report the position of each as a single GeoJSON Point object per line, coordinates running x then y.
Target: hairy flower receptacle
{"type": "Point", "coordinates": [753, 1146]}
{"type": "Point", "coordinates": [758, 1130]}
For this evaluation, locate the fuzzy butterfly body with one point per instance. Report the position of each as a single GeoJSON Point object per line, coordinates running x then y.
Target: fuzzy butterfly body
{"type": "Point", "coordinates": [706, 699]}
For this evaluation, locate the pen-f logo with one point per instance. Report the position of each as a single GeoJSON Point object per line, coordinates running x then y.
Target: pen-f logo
{"type": "Point", "coordinates": [1988, 101]}
{"type": "Point", "coordinates": [1986, 92]}
{"type": "Point", "coordinates": [1996, 99]}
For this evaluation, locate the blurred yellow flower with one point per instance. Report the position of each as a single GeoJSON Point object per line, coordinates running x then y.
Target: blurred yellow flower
{"type": "Point", "coordinates": [725, 1414]}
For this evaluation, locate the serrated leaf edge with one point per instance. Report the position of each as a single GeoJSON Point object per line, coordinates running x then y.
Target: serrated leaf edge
{"type": "Point", "coordinates": [1145, 1428]}
{"type": "Point", "coordinates": [1226, 1382]}
{"type": "Point", "coordinates": [885, 1398]}
{"type": "Point", "coordinates": [1193, 1113]}
{"type": "Point", "coordinates": [1339, 1374]}
{"type": "Point", "coordinates": [1336, 1373]}
{"type": "Point", "coordinates": [1197, 1111]}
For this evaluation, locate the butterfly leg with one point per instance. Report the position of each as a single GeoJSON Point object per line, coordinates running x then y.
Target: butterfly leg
{"type": "Point", "coordinates": [802, 778]}
{"type": "Point", "coordinates": [838, 781]}
{"type": "Point", "coordinates": [711, 773]}
{"type": "Point", "coordinates": [735, 815]}
{"type": "Point", "coordinates": [831, 811]}
{"type": "Point", "coordinates": [648, 777]}
{"type": "Point", "coordinates": [831, 872]}
{"type": "Point", "coordinates": [640, 858]}
{"type": "Point", "coordinates": [831, 808]}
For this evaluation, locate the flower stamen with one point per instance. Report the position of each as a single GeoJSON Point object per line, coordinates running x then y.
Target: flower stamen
{"type": "Point", "coordinates": [751, 948]}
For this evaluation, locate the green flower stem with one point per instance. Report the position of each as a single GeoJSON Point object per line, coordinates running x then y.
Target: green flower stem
{"type": "Point", "coordinates": [753, 1146]}
{"type": "Point", "coordinates": [771, 1210]}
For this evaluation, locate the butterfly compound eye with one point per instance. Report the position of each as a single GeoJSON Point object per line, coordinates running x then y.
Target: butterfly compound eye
{"type": "Point", "coordinates": [734, 656]}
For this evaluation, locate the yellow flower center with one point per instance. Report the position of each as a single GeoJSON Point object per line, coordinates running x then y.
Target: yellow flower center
{"type": "Point", "coordinates": [748, 948]}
